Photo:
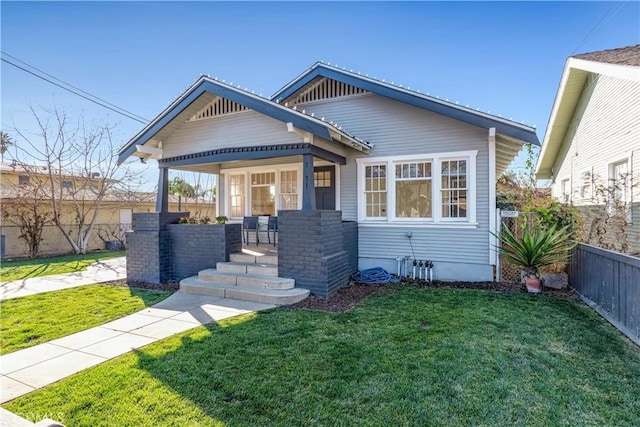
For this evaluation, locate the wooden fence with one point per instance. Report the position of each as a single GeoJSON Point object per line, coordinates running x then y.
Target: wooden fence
{"type": "Point", "coordinates": [610, 283]}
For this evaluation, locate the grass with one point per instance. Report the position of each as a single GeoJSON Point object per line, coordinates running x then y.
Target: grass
{"type": "Point", "coordinates": [38, 267]}
{"type": "Point", "coordinates": [39, 318]}
{"type": "Point", "coordinates": [412, 358]}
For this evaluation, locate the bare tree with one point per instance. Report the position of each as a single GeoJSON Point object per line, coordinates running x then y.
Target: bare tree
{"type": "Point", "coordinates": [78, 163]}
{"type": "Point", "coordinates": [26, 206]}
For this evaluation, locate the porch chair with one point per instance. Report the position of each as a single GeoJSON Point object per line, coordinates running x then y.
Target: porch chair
{"type": "Point", "coordinates": [272, 227]}
{"type": "Point", "coordinates": [249, 223]}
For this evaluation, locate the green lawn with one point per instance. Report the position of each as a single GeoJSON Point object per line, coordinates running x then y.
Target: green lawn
{"type": "Point", "coordinates": [411, 358]}
{"type": "Point", "coordinates": [39, 318]}
{"type": "Point", "coordinates": [38, 267]}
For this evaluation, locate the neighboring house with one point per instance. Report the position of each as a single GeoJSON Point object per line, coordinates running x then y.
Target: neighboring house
{"type": "Point", "coordinates": [591, 149]}
{"type": "Point", "coordinates": [417, 173]}
{"type": "Point", "coordinates": [114, 216]}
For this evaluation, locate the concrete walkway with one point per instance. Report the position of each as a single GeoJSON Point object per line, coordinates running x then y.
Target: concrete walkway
{"type": "Point", "coordinates": [101, 271]}
{"type": "Point", "coordinates": [26, 370]}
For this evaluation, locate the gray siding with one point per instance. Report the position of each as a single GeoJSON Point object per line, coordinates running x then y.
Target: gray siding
{"type": "Point", "coordinates": [243, 129]}
{"type": "Point", "coordinates": [399, 129]}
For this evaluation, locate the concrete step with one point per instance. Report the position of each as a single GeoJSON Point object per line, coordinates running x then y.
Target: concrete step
{"type": "Point", "coordinates": [247, 268]}
{"type": "Point", "coordinates": [213, 275]}
{"type": "Point", "coordinates": [261, 281]}
{"type": "Point", "coordinates": [194, 285]}
{"type": "Point", "coordinates": [248, 280]}
{"type": "Point", "coordinates": [252, 259]}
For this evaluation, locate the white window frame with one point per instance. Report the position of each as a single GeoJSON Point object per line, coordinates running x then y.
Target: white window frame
{"type": "Point", "coordinates": [586, 185]}
{"type": "Point", "coordinates": [247, 185]}
{"type": "Point", "coordinates": [627, 199]}
{"type": "Point", "coordinates": [364, 203]}
{"type": "Point", "coordinates": [436, 160]}
{"type": "Point", "coordinates": [228, 192]}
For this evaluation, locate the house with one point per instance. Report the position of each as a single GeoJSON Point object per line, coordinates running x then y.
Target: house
{"type": "Point", "coordinates": [28, 182]}
{"type": "Point", "coordinates": [591, 149]}
{"type": "Point", "coordinates": [410, 174]}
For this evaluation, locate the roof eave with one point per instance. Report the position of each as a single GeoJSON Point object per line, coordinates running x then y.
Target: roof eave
{"type": "Point", "coordinates": [256, 103]}
{"type": "Point", "coordinates": [524, 133]}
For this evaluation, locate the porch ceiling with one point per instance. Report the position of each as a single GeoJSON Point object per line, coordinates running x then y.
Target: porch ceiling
{"type": "Point", "coordinates": [214, 168]}
{"type": "Point", "coordinates": [262, 152]}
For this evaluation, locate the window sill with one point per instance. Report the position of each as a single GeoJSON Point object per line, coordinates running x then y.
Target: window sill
{"type": "Point", "coordinates": [458, 225]}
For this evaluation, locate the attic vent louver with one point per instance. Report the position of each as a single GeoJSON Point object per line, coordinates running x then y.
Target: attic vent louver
{"type": "Point", "coordinates": [218, 107]}
{"type": "Point", "coordinates": [326, 89]}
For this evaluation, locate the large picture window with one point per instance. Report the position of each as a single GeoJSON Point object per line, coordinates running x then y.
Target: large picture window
{"type": "Point", "coordinates": [413, 190]}
{"type": "Point", "coordinates": [438, 188]}
{"type": "Point", "coordinates": [263, 193]}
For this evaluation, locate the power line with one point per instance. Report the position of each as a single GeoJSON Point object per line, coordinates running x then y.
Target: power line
{"type": "Point", "coordinates": [92, 98]}
{"type": "Point", "coordinates": [597, 24]}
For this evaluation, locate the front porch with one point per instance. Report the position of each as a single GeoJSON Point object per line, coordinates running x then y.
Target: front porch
{"type": "Point", "coordinates": [316, 252]}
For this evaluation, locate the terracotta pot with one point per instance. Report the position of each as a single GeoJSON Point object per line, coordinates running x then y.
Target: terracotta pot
{"type": "Point", "coordinates": [533, 283]}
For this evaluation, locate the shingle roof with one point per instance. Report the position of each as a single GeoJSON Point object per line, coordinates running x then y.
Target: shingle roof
{"type": "Point", "coordinates": [629, 55]}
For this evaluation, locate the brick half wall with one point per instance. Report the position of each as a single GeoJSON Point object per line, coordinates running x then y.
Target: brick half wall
{"type": "Point", "coordinates": [159, 249]}
{"type": "Point", "coordinates": [195, 247]}
{"type": "Point", "coordinates": [317, 249]}
{"type": "Point", "coordinates": [149, 247]}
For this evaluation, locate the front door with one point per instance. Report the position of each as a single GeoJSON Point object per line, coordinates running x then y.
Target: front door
{"type": "Point", "coordinates": [325, 186]}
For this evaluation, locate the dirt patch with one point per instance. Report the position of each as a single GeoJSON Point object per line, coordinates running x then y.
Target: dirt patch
{"type": "Point", "coordinates": [171, 286]}
{"type": "Point", "coordinates": [349, 296]}
{"type": "Point", "coordinates": [344, 299]}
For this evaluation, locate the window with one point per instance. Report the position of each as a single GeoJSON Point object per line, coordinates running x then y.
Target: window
{"type": "Point", "coordinates": [23, 180]}
{"type": "Point", "coordinates": [322, 179]}
{"type": "Point", "coordinates": [413, 190]}
{"type": "Point", "coordinates": [376, 191]}
{"type": "Point", "coordinates": [263, 193]}
{"type": "Point", "coordinates": [437, 188]}
{"type": "Point", "coordinates": [585, 185]}
{"type": "Point", "coordinates": [454, 188]}
{"type": "Point", "coordinates": [67, 185]}
{"type": "Point", "coordinates": [619, 180]}
{"type": "Point", "coordinates": [289, 190]}
{"type": "Point", "coordinates": [237, 195]}
{"type": "Point", "coordinates": [619, 192]}
{"type": "Point", "coordinates": [565, 190]}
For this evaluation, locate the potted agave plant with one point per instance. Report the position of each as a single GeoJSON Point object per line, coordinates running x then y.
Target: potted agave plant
{"type": "Point", "coordinates": [536, 248]}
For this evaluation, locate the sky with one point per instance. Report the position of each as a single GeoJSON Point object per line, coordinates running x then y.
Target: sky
{"type": "Point", "coordinates": [502, 57]}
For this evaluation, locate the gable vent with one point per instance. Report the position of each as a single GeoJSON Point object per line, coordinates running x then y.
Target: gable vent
{"type": "Point", "coordinates": [218, 107]}
{"type": "Point", "coordinates": [326, 89]}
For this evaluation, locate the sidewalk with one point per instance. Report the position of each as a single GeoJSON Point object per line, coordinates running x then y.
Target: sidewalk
{"type": "Point", "coordinates": [26, 370]}
{"type": "Point", "coordinates": [101, 271]}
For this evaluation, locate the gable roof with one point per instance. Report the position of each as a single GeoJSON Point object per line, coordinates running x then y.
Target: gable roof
{"type": "Point", "coordinates": [622, 63]}
{"type": "Point", "coordinates": [195, 97]}
{"type": "Point", "coordinates": [445, 108]}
